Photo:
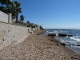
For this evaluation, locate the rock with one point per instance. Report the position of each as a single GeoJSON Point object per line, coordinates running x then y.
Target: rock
{"type": "Point", "coordinates": [52, 34]}
{"type": "Point", "coordinates": [63, 44]}
{"type": "Point", "coordinates": [62, 35]}
{"type": "Point", "coordinates": [71, 44]}
{"type": "Point", "coordinates": [70, 35]}
{"type": "Point", "coordinates": [31, 32]}
{"type": "Point", "coordinates": [77, 45]}
{"type": "Point", "coordinates": [3, 39]}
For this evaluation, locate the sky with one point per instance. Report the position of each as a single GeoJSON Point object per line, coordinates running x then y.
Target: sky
{"type": "Point", "coordinates": [52, 14]}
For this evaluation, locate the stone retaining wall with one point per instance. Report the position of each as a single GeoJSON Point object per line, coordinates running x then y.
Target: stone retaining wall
{"type": "Point", "coordinates": [11, 33]}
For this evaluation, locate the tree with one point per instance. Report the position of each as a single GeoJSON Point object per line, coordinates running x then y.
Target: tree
{"type": "Point", "coordinates": [32, 25]}
{"type": "Point", "coordinates": [3, 2]}
{"type": "Point", "coordinates": [28, 22]}
{"type": "Point", "coordinates": [8, 6]}
{"type": "Point", "coordinates": [7, 3]}
{"type": "Point", "coordinates": [22, 18]}
{"type": "Point", "coordinates": [36, 25]}
{"type": "Point", "coordinates": [13, 10]}
{"type": "Point", "coordinates": [2, 8]}
{"type": "Point", "coordinates": [41, 27]}
{"type": "Point", "coordinates": [17, 9]}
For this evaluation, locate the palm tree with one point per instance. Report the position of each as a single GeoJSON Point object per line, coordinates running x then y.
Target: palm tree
{"type": "Point", "coordinates": [22, 18]}
{"type": "Point", "coordinates": [12, 7]}
{"type": "Point", "coordinates": [18, 9]}
{"type": "Point", "coordinates": [2, 8]}
{"type": "Point", "coordinates": [7, 3]}
{"type": "Point", "coordinates": [3, 2]}
{"type": "Point", "coordinates": [27, 22]}
{"type": "Point", "coordinates": [41, 27]}
{"type": "Point", "coordinates": [13, 11]}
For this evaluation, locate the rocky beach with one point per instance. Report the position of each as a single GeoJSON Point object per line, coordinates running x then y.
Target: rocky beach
{"type": "Point", "coordinates": [38, 47]}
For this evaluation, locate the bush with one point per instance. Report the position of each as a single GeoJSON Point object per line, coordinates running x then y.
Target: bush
{"type": "Point", "coordinates": [41, 28]}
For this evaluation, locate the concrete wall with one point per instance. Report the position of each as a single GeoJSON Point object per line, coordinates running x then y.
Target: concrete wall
{"type": "Point", "coordinates": [5, 17]}
{"type": "Point", "coordinates": [11, 33]}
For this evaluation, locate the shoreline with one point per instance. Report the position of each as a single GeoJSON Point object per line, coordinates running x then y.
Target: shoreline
{"type": "Point", "coordinates": [66, 46]}
{"type": "Point", "coordinates": [63, 44]}
{"type": "Point", "coordinates": [64, 40]}
{"type": "Point", "coordinates": [38, 47]}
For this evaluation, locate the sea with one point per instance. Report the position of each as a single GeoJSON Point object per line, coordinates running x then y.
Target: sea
{"type": "Point", "coordinates": [72, 43]}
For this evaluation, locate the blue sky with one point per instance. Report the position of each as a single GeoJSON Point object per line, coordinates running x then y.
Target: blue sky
{"type": "Point", "coordinates": [64, 14]}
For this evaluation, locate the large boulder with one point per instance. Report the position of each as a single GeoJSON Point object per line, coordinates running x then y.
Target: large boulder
{"type": "Point", "coordinates": [62, 35]}
{"type": "Point", "coordinates": [52, 34]}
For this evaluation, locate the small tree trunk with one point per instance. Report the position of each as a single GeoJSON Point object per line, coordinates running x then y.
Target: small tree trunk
{"type": "Point", "coordinates": [17, 18]}
{"type": "Point", "coordinates": [22, 21]}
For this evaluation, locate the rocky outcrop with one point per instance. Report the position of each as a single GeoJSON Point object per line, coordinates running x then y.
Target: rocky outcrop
{"type": "Point", "coordinates": [77, 45]}
{"type": "Point", "coordinates": [62, 35]}
{"type": "Point", "coordinates": [52, 34]}
{"type": "Point", "coordinates": [63, 44]}
{"type": "Point", "coordinates": [70, 35]}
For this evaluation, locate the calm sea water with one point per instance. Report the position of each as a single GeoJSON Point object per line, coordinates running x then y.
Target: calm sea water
{"type": "Point", "coordinates": [71, 42]}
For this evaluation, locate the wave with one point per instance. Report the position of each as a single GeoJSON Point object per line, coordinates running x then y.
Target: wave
{"type": "Point", "coordinates": [72, 42]}
{"type": "Point", "coordinates": [75, 38]}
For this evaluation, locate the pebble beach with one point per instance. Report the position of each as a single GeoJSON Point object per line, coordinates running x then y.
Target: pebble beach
{"type": "Point", "coordinates": [38, 47]}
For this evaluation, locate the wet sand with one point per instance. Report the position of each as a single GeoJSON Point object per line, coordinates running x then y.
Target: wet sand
{"type": "Point", "coordinates": [38, 47]}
